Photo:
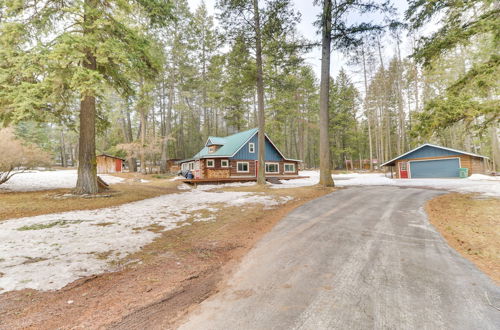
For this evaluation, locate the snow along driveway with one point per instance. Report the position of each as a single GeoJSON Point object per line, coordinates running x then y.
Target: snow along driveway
{"type": "Point", "coordinates": [476, 183]}
{"type": "Point", "coordinates": [46, 180]}
{"type": "Point", "coordinates": [49, 251]}
{"type": "Point", "coordinates": [358, 258]}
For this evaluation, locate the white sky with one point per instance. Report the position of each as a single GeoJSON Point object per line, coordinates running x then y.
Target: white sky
{"type": "Point", "coordinates": [309, 14]}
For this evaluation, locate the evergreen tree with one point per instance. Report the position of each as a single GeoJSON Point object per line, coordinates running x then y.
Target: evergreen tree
{"type": "Point", "coordinates": [56, 57]}
{"type": "Point", "coordinates": [343, 125]}
{"type": "Point", "coordinates": [338, 32]}
{"type": "Point", "coordinates": [472, 96]}
{"type": "Point", "coordinates": [258, 24]}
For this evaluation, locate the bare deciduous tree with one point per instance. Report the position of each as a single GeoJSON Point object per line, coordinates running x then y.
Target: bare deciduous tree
{"type": "Point", "coordinates": [17, 157]}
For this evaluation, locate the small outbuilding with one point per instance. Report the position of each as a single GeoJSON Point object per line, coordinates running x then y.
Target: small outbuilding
{"type": "Point", "coordinates": [109, 164]}
{"type": "Point", "coordinates": [432, 161]}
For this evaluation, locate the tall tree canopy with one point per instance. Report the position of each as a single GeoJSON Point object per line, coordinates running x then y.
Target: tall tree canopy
{"type": "Point", "coordinates": [341, 33]}
{"type": "Point", "coordinates": [260, 24]}
{"type": "Point", "coordinates": [467, 27]}
{"type": "Point", "coordinates": [56, 57]}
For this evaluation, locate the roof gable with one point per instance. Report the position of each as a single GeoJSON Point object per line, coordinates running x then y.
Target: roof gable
{"type": "Point", "coordinates": [215, 140]}
{"type": "Point", "coordinates": [110, 156]}
{"type": "Point", "coordinates": [232, 144]}
{"type": "Point", "coordinates": [229, 144]}
{"type": "Point", "coordinates": [271, 152]}
{"type": "Point", "coordinates": [430, 150]}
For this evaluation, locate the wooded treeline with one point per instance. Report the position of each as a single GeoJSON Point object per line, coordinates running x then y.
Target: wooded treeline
{"type": "Point", "coordinates": [205, 86]}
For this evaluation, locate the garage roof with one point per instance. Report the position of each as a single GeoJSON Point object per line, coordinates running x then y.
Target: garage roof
{"type": "Point", "coordinates": [392, 161]}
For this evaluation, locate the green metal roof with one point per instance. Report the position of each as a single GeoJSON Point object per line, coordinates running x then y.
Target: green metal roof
{"type": "Point", "coordinates": [230, 145]}
{"type": "Point", "coordinates": [216, 140]}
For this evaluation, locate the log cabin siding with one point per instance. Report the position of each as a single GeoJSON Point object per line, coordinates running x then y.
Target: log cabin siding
{"type": "Point", "coordinates": [217, 171]}
{"type": "Point", "coordinates": [252, 165]}
{"type": "Point", "coordinates": [233, 165]}
{"type": "Point", "coordinates": [478, 165]}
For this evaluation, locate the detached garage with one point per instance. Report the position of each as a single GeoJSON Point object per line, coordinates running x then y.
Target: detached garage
{"type": "Point", "coordinates": [431, 161]}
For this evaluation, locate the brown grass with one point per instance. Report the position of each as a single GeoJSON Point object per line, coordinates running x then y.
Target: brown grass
{"type": "Point", "coordinates": [154, 287]}
{"type": "Point", "coordinates": [471, 225]}
{"type": "Point", "coordinates": [25, 204]}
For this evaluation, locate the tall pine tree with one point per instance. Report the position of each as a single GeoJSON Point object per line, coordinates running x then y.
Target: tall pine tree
{"type": "Point", "coordinates": [58, 57]}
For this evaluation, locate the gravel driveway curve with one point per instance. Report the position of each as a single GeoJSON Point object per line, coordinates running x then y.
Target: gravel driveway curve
{"type": "Point", "coordinates": [359, 258]}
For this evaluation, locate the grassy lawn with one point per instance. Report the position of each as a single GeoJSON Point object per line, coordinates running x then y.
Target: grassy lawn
{"type": "Point", "coordinates": [26, 204]}
{"type": "Point", "coordinates": [470, 224]}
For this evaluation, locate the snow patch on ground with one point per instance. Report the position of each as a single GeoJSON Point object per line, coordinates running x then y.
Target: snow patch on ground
{"type": "Point", "coordinates": [46, 180]}
{"type": "Point", "coordinates": [49, 251]}
{"type": "Point", "coordinates": [476, 183]}
{"type": "Point", "coordinates": [205, 187]}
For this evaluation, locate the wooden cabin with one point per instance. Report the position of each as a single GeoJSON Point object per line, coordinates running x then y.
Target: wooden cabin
{"type": "Point", "coordinates": [236, 157]}
{"type": "Point", "coordinates": [432, 161]}
{"type": "Point", "coordinates": [109, 164]}
{"type": "Point", "coordinates": [173, 165]}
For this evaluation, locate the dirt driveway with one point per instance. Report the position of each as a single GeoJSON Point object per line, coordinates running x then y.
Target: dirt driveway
{"type": "Point", "coordinates": [363, 257]}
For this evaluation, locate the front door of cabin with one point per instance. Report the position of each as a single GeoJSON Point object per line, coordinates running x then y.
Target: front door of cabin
{"type": "Point", "coordinates": [403, 170]}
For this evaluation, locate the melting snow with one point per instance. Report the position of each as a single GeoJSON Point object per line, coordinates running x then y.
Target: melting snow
{"type": "Point", "coordinates": [476, 183]}
{"type": "Point", "coordinates": [49, 251]}
{"type": "Point", "coordinates": [45, 180]}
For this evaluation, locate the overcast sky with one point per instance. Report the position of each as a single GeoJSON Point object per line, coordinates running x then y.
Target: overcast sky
{"type": "Point", "coordinates": [309, 14]}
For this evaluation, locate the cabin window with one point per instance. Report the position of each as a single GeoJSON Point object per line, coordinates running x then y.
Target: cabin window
{"type": "Point", "coordinates": [224, 163]}
{"type": "Point", "coordinates": [185, 166]}
{"type": "Point", "coordinates": [290, 168]}
{"type": "Point", "coordinates": [251, 148]}
{"type": "Point", "coordinates": [212, 149]}
{"type": "Point", "coordinates": [272, 168]}
{"type": "Point", "coordinates": [210, 163]}
{"type": "Point", "coordinates": [243, 167]}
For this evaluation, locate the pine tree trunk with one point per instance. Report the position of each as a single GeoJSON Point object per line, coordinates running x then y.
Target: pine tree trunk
{"type": "Point", "coordinates": [495, 147]}
{"type": "Point", "coordinates": [164, 148]}
{"type": "Point", "coordinates": [127, 133]}
{"type": "Point", "coordinates": [143, 141]}
{"type": "Point", "coordinates": [63, 150]}
{"type": "Point", "coordinates": [370, 143]}
{"type": "Point", "coordinates": [87, 166]}
{"type": "Point", "coordinates": [325, 173]}
{"type": "Point", "coordinates": [261, 177]}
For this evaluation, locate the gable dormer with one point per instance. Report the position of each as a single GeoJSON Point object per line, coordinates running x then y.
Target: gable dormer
{"type": "Point", "coordinates": [214, 143]}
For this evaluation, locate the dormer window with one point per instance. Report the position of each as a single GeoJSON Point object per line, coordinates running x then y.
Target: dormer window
{"type": "Point", "coordinates": [212, 149]}
{"type": "Point", "coordinates": [251, 148]}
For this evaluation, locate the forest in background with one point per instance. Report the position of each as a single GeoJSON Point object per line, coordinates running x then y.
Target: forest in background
{"type": "Point", "coordinates": [206, 87]}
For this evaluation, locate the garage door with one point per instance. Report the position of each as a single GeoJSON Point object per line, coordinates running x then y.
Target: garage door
{"type": "Point", "coordinates": [443, 168]}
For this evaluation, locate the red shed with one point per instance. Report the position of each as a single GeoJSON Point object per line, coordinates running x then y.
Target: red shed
{"type": "Point", "coordinates": [109, 164]}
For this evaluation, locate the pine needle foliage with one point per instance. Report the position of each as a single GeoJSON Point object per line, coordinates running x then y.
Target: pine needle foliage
{"type": "Point", "coordinates": [43, 44]}
{"type": "Point", "coordinates": [465, 26]}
